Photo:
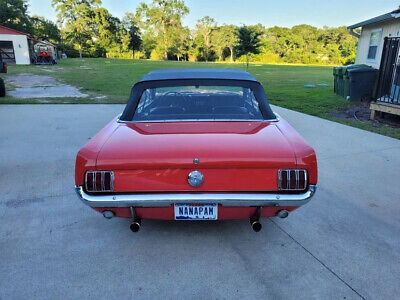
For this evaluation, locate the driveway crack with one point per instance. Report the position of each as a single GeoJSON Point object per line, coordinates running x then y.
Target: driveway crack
{"type": "Point", "coordinates": [316, 258]}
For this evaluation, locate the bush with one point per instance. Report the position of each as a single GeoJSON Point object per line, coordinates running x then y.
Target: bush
{"type": "Point", "coordinates": [74, 53]}
{"type": "Point", "coordinates": [265, 58]}
{"type": "Point", "coordinates": [125, 55]}
{"type": "Point", "coordinates": [156, 55]}
{"type": "Point", "coordinates": [119, 54]}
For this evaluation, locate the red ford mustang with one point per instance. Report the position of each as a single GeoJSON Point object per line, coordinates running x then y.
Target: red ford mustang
{"type": "Point", "coordinates": [196, 145]}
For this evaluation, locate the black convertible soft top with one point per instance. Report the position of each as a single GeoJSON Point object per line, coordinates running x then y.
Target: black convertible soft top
{"type": "Point", "coordinates": [196, 77]}
{"type": "Point", "coordinates": [176, 74]}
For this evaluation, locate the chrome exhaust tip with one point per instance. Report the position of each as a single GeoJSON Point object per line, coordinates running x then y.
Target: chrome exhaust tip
{"type": "Point", "coordinates": [256, 226]}
{"type": "Point", "coordinates": [282, 213]}
{"type": "Point", "coordinates": [255, 220]}
{"type": "Point", "coordinates": [108, 214]}
{"type": "Point", "coordinates": [135, 226]}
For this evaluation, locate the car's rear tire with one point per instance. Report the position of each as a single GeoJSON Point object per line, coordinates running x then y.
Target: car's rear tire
{"type": "Point", "coordinates": [2, 88]}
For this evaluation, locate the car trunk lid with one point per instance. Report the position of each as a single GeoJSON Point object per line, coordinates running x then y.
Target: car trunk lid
{"type": "Point", "coordinates": [232, 155]}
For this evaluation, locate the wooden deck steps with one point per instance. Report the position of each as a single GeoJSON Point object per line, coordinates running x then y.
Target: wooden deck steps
{"type": "Point", "coordinates": [389, 108]}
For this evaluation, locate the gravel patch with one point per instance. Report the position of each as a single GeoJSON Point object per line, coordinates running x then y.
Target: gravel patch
{"type": "Point", "coordinates": [40, 86]}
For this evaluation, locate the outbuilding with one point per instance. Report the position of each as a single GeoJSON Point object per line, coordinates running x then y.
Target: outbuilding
{"type": "Point", "coordinates": [20, 48]}
{"type": "Point", "coordinates": [14, 46]}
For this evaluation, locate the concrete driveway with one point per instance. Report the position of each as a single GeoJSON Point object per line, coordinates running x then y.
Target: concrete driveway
{"type": "Point", "coordinates": [345, 244]}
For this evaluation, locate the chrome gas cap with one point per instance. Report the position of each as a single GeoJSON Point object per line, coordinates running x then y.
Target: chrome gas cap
{"type": "Point", "coordinates": [195, 178]}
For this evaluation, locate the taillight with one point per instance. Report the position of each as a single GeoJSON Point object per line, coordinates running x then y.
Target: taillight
{"type": "Point", "coordinates": [99, 181]}
{"type": "Point", "coordinates": [292, 180]}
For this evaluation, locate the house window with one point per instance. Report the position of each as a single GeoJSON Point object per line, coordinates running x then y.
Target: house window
{"type": "Point", "coordinates": [374, 43]}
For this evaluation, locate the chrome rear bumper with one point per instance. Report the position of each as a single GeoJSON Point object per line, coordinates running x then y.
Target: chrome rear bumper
{"type": "Point", "coordinates": [166, 199]}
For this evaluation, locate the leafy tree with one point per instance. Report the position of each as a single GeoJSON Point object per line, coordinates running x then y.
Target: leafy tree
{"type": "Point", "coordinates": [182, 43]}
{"type": "Point", "coordinates": [278, 40]}
{"type": "Point", "coordinates": [249, 41]}
{"type": "Point", "coordinates": [156, 29]}
{"type": "Point", "coordinates": [44, 29]}
{"type": "Point", "coordinates": [225, 37]}
{"type": "Point", "coordinates": [205, 27]}
{"type": "Point", "coordinates": [107, 31]}
{"type": "Point", "coordinates": [13, 14]}
{"type": "Point", "coordinates": [134, 37]}
{"type": "Point", "coordinates": [339, 45]}
{"type": "Point", "coordinates": [162, 17]}
{"type": "Point", "coordinates": [149, 43]}
{"type": "Point", "coordinates": [195, 46]}
{"type": "Point", "coordinates": [77, 17]}
{"type": "Point", "coordinates": [307, 44]}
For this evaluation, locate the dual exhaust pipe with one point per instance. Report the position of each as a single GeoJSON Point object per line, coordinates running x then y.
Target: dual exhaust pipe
{"type": "Point", "coordinates": [254, 220]}
{"type": "Point", "coordinates": [135, 225]}
{"type": "Point", "coordinates": [255, 225]}
{"type": "Point", "coordinates": [136, 221]}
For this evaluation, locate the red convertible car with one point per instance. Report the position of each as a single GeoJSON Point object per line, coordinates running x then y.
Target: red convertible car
{"type": "Point", "coordinates": [196, 145]}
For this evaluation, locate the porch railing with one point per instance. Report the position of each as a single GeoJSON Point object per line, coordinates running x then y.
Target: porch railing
{"type": "Point", "coordinates": [388, 84]}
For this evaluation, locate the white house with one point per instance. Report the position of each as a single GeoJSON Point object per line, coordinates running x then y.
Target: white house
{"type": "Point", "coordinates": [371, 38]}
{"type": "Point", "coordinates": [14, 46]}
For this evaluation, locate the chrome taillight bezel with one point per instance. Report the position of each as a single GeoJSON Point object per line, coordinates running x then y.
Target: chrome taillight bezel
{"type": "Point", "coordinates": [102, 188]}
{"type": "Point", "coordinates": [289, 173]}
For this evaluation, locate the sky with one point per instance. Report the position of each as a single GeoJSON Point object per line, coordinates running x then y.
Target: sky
{"type": "Point", "coordinates": [270, 13]}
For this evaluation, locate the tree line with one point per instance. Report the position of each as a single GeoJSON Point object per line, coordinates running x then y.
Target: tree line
{"type": "Point", "coordinates": [155, 31]}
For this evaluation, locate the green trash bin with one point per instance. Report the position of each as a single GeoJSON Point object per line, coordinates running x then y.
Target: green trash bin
{"type": "Point", "coordinates": [346, 85]}
{"type": "Point", "coordinates": [340, 81]}
{"type": "Point", "coordinates": [346, 78]}
{"type": "Point", "coordinates": [361, 83]}
{"type": "Point", "coordinates": [335, 79]}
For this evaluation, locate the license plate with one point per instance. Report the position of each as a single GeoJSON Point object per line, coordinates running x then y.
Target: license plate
{"type": "Point", "coordinates": [196, 211]}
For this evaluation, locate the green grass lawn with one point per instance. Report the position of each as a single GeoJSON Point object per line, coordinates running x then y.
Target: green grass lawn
{"type": "Point", "coordinates": [284, 84]}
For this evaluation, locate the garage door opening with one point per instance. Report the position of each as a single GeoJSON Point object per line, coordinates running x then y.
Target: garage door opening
{"type": "Point", "coordinates": [7, 51]}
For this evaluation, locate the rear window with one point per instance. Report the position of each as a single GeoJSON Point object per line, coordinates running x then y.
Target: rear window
{"type": "Point", "coordinates": [197, 103]}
